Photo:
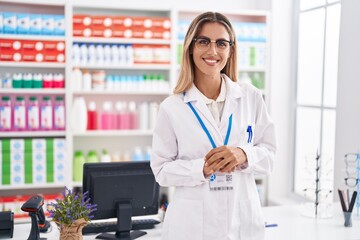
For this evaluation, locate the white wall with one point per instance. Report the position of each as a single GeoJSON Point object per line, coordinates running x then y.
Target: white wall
{"type": "Point", "coordinates": [280, 181]}
{"type": "Point", "coordinates": [198, 5]}
{"type": "Point", "coordinates": [348, 100]}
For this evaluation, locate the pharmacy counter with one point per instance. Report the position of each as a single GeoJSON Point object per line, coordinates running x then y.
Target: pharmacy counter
{"type": "Point", "coordinates": [291, 225]}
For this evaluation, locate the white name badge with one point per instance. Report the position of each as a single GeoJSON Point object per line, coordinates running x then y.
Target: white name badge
{"type": "Point", "coordinates": [221, 182]}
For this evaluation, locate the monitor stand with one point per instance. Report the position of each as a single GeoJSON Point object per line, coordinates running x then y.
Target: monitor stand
{"type": "Point", "coordinates": [124, 214]}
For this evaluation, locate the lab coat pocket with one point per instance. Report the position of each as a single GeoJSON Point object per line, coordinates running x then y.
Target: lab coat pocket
{"type": "Point", "coordinates": [185, 220]}
{"type": "Point", "coordinates": [251, 220]}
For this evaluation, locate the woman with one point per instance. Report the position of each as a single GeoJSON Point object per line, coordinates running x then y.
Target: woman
{"type": "Point", "coordinates": [211, 137]}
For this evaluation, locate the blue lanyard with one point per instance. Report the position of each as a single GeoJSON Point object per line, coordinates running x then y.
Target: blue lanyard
{"type": "Point", "coordinates": [207, 131]}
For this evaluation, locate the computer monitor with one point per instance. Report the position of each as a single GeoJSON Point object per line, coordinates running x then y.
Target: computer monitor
{"type": "Point", "coordinates": [121, 190]}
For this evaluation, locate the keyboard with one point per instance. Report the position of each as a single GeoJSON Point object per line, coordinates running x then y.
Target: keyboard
{"type": "Point", "coordinates": [100, 227]}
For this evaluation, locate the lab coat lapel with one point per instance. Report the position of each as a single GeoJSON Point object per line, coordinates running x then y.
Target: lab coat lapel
{"type": "Point", "coordinates": [194, 97]}
{"type": "Point", "coordinates": [233, 95]}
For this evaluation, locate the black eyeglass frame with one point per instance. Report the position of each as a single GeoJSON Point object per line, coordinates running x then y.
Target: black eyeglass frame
{"type": "Point", "coordinates": [231, 43]}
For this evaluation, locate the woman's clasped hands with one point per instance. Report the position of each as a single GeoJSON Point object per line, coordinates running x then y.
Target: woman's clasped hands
{"type": "Point", "coordinates": [223, 159]}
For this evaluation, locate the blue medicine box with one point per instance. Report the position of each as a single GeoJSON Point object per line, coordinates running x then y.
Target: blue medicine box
{"type": "Point", "coordinates": [23, 23]}
{"type": "Point", "coordinates": [47, 24]}
{"type": "Point", "coordinates": [35, 24]}
{"type": "Point", "coordinates": [59, 25]}
{"type": "Point", "coordinates": [9, 22]}
{"type": "Point", "coordinates": [1, 23]}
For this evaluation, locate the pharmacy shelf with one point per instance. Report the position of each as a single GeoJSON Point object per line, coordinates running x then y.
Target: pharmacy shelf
{"type": "Point", "coordinates": [119, 92]}
{"type": "Point", "coordinates": [127, 67]}
{"type": "Point", "coordinates": [32, 186]}
{"type": "Point", "coordinates": [117, 133]}
{"type": "Point", "coordinates": [32, 37]}
{"type": "Point", "coordinates": [32, 90]}
{"type": "Point", "coordinates": [32, 134]}
{"type": "Point", "coordinates": [32, 64]}
{"type": "Point", "coordinates": [121, 40]}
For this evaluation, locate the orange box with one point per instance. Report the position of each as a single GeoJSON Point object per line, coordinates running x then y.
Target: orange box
{"type": "Point", "coordinates": [10, 44]}
{"type": "Point", "coordinates": [54, 57]}
{"type": "Point", "coordinates": [54, 46]}
{"type": "Point", "coordinates": [82, 31]}
{"type": "Point", "coordinates": [118, 31]}
{"type": "Point", "coordinates": [102, 21]}
{"type": "Point", "coordinates": [123, 21]}
{"type": "Point", "coordinates": [80, 19]}
{"type": "Point", "coordinates": [162, 22]}
{"type": "Point", "coordinates": [161, 33]}
{"type": "Point", "coordinates": [12, 57]}
{"type": "Point", "coordinates": [143, 22]}
{"type": "Point", "coordinates": [101, 31]}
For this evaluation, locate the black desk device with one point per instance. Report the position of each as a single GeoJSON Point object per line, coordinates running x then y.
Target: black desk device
{"type": "Point", "coordinates": [6, 224]}
{"type": "Point", "coordinates": [38, 222]}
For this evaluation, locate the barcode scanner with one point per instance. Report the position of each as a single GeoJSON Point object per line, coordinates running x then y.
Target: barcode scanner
{"type": "Point", "coordinates": [38, 222]}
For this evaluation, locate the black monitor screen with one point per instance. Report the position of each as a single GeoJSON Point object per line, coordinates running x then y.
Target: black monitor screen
{"type": "Point", "coordinates": [122, 190]}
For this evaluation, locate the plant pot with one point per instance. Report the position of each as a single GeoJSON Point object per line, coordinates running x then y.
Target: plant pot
{"type": "Point", "coordinates": [73, 231]}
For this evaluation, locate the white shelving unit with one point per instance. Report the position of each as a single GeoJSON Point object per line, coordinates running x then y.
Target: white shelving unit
{"type": "Point", "coordinates": [113, 140]}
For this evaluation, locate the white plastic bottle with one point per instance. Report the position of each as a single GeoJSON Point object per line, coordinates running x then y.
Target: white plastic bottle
{"type": "Point", "coordinates": [76, 79]}
{"type": "Point", "coordinates": [86, 80]}
{"type": "Point", "coordinates": [129, 54]}
{"type": "Point", "coordinates": [79, 115]}
{"type": "Point", "coordinates": [105, 156]}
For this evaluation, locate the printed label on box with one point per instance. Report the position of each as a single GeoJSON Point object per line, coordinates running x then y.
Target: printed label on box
{"type": "Point", "coordinates": [48, 24]}
{"type": "Point", "coordinates": [1, 23]}
{"type": "Point", "coordinates": [35, 24]}
{"type": "Point", "coordinates": [23, 23]}
{"type": "Point", "coordinates": [9, 22]}
{"type": "Point", "coordinates": [59, 25]}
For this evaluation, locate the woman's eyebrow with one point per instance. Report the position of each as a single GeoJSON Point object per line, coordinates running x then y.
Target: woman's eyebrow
{"type": "Point", "coordinates": [202, 36]}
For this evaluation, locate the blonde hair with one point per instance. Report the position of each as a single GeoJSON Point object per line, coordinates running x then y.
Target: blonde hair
{"type": "Point", "coordinates": [187, 70]}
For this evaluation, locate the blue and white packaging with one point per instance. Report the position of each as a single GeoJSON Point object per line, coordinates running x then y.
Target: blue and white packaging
{"type": "Point", "coordinates": [23, 23]}
{"type": "Point", "coordinates": [183, 26]}
{"type": "Point", "coordinates": [39, 167]}
{"type": "Point", "coordinates": [1, 23]}
{"type": "Point", "coordinates": [48, 23]}
{"type": "Point", "coordinates": [59, 25]}
{"type": "Point", "coordinates": [9, 22]}
{"type": "Point", "coordinates": [35, 24]}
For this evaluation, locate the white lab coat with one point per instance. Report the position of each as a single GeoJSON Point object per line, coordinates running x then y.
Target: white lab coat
{"type": "Point", "coordinates": [179, 147]}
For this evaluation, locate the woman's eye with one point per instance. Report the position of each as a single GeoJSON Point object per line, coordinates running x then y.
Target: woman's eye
{"type": "Point", "coordinates": [221, 43]}
{"type": "Point", "coordinates": [203, 41]}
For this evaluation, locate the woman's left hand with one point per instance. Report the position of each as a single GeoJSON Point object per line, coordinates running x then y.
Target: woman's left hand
{"type": "Point", "coordinates": [228, 158]}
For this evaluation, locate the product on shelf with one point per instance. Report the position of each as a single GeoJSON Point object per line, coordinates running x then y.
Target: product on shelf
{"type": "Point", "coordinates": [32, 161]}
{"type": "Point", "coordinates": [121, 26]}
{"type": "Point", "coordinates": [14, 203]}
{"type": "Point", "coordinates": [32, 51]}
{"type": "Point", "coordinates": [46, 114]}
{"type": "Point", "coordinates": [35, 24]}
{"type": "Point", "coordinates": [92, 123]}
{"type": "Point", "coordinates": [19, 114]}
{"type": "Point", "coordinates": [59, 113]}
{"type": "Point", "coordinates": [5, 114]}
{"type": "Point", "coordinates": [33, 114]}
{"type": "Point", "coordinates": [78, 162]}
{"type": "Point", "coordinates": [32, 80]}
{"type": "Point", "coordinates": [79, 115]}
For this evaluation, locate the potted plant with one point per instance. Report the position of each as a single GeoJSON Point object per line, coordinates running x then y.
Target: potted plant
{"type": "Point", "coordinates": [71, 214]}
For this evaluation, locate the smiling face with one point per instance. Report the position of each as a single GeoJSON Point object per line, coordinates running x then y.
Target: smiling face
{"type": "Point", "coordinates": [209, 63]}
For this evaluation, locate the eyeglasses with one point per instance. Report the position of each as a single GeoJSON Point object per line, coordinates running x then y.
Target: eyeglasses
{"type": "Point", "coordinates": [203, 44]}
